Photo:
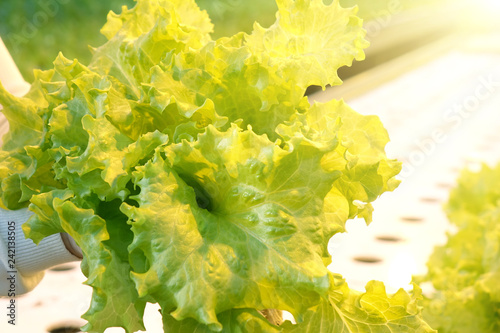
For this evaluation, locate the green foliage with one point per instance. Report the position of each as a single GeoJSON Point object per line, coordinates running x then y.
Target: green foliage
{"type": "Point", "coordinates": [233, 16]}
{"type": "Point", "coordinates": [194, 173]}
{"type": "Point", "coordinates": [384, 9]}
{"type": "Point", "coordinates": [34, 31]}
{"type": "Point", "coordinates": [465, 272]}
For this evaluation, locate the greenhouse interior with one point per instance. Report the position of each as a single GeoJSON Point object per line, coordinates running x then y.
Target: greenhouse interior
{"type": "Point", "coordinates": [302, 166]}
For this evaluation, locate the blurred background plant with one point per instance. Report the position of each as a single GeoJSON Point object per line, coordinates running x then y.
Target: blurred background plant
{"type": "Point", "coordinates": [35, 31]}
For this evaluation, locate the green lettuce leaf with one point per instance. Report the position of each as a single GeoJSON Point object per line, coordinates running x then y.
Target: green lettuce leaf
{"type": "Point", "coordinates": [246, 198]}
{"type": "Point", "coordinates": [242, 89]}
{"type": "Point", "coordinates": [103, 240]}
{"type": "Point", "coordinates": [342, 310]}
{"type": "Point", "coordinates": [359, 155]}
{"type": "Point", "coordinates": [234, 321]}
{"type": "Point", "coordinates": [465, 271]}
{"type": "Point", "coordinates": [140, 37]}
{"type": "Point", "coordinates": [193, 172]}
{"type": "Point", "coordinates": [310, 41]}
{"type": "Point", "coordinates": [244, 204]}
{"type": "Point", "coordinates": [345, 310]}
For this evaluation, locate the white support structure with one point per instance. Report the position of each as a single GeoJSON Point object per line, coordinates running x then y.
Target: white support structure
{"type": "Point", "coordinates": [11, 79]}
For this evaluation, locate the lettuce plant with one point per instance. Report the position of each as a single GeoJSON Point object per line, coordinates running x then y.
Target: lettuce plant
{"type": "Point", "coordinates": [193, 172]}
{"type": "Point", "coordinates": [465, 272]}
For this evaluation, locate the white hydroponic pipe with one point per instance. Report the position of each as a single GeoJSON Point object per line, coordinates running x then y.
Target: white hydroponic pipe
{"type": "Point", "coordinates": [11, 79]}
{"type": "Point", "coordinates": [10, 76]}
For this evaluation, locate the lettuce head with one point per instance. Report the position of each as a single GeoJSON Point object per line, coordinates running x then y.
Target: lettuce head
{"type": "Point", "coordinates": [193, 172]}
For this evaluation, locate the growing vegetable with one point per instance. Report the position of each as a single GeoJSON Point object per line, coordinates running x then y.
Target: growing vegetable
{"type": "Point", "coordinates": [194, 173]}
{"type": "Point", "coordinates": [465, 272]}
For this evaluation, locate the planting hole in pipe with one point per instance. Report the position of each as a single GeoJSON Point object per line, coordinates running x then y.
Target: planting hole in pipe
{"type": "Point", "coordinates": [66, 326]}
{"type": "Point", "coordinates": [65, 329]}
{"type": "Point", "coordinates": [412, 219]}
{"type": "Point", "coordinates": [430, 200]}
{"type": "Point", "coordinates": [63, 268]}
{"type": "Point", "coordinates": [389, 239]}
{"type": "Point", "coordinates": [445, 186]}
{"type": "Point", "coordinates": [367, 259]}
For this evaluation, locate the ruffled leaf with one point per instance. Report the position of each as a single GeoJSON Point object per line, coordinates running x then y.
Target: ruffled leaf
{"type": "Point", "coordinates": [232, 208]}
{"type": "Point", "coordinates": [310, 41]}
